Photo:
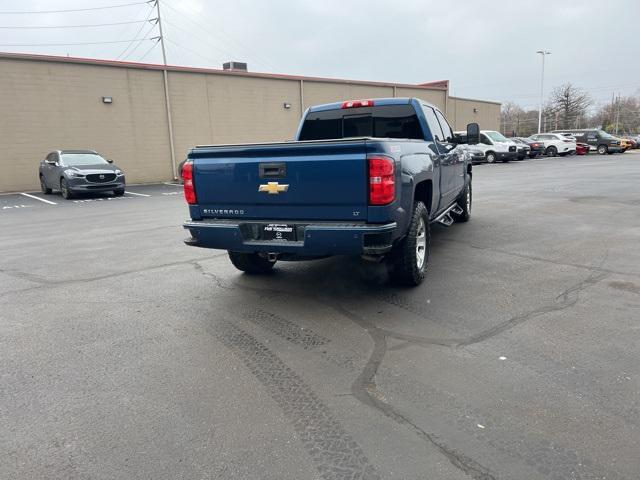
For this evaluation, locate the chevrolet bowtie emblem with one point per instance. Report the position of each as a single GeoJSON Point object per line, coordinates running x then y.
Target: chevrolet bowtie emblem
{"type": "Point", "coordinates": [273, 188]}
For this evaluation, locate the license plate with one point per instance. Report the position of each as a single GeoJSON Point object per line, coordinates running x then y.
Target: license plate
{"type": "Point", "coordinates": [279, 231]}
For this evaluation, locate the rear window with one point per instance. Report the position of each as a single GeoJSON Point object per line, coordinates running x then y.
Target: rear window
{"type": "Point", "coordinates": [385, 121]}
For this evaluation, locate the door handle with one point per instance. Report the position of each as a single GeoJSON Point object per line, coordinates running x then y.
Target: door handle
{"type": "Point", "coordinates": [273, 170]}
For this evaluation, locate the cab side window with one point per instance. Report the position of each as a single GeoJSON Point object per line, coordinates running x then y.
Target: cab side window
{"type": "Point", "coordinates": [434, 125]}
{"type": "Point", "coordinates": [484, 139]}
{"type": "Point", "coordinates": [446, 129]}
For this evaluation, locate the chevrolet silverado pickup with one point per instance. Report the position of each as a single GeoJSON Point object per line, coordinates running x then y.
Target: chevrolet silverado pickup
{"type": "Point", "coordinates": [363, 177]}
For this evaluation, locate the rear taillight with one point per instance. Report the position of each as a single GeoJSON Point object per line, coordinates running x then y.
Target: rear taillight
{"type": "Point", "coordinates": [567, 141]}
{"type": "Point", "coordinates": [357, 103]}
{"type": "Point", "coordinates": [189, 189]}
{"type": "Point", "coordinates": [382, 181]}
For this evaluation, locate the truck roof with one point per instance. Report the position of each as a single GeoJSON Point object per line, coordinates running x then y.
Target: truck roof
{"type": "Point", "coordinates": [377, 102]}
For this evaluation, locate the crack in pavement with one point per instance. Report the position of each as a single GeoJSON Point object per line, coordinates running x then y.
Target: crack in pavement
{"type": "Point", "coordinates": [364, 388]}
{"type": "Point", "coordinates": [44, 284]}
{"type": "Point", "coordinates": [599, 268]}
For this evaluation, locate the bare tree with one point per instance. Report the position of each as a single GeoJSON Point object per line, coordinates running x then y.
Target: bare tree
{"type": "Point", "coordinates": [568, 106]}
{"type": "Point", "coordinates": [623, 113]}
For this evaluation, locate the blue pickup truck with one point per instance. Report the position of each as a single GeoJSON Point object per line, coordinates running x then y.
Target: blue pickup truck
{"type": "Point", "coordinates": [363, 177]}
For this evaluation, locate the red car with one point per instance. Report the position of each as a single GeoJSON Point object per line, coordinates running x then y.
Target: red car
{"type": "Point", "coordinates": [582, 149]}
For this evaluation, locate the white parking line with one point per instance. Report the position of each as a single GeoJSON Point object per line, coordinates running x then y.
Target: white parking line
{"type": "Point", "coordinates": [139, 194]}
{"type": "Point", "coordinates": [38, 198]}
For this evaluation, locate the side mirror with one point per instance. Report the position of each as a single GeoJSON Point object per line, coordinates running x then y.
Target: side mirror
{"type": "Point", "coordinates": [473, 133]}
{"type": "Point", "coordinates": [109, 160]}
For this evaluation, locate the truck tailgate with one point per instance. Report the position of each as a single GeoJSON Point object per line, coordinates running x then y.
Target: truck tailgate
{"type": "Point", "coordinates": [298, 180]}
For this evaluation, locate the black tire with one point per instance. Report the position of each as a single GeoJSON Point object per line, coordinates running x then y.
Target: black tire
{"type": "Point", "coordinates": [602, 149]}
{"type": "Point", "coordinates": [43, 186]}
{"type": "Point", "coordinates": [551, 151]}
{"type": "Point", "coordinates": [251, 263]}
{"type": "Point", "coordinates": [490, 157]}
{"type": "Point", "coordinates": [464, 202]}
{"type": "Point", "coordinates": [64, 189]}
{"type": "Point", "coordinates": [118, 192]}
{"type": "Point", "coordinates": [404, 263]}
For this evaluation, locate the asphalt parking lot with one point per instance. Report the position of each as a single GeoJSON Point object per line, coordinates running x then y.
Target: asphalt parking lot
{"type": "Point", "coordinates": [126, 355]}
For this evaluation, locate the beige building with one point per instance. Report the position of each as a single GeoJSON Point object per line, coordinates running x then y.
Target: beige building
{"type": "Point", "coordinates": [49, 103]}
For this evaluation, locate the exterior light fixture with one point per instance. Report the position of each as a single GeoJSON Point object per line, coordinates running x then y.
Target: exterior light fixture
{"type": "Point", "coordinates": [287, 105]}
{"type": "Point", "coordinates": [107, 99]}
{"type": "Point", "coordinates": [475, 110]}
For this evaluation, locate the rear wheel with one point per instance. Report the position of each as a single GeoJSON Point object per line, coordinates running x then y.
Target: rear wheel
{"type": "Point", "coordinates": [43, 186]}
{"type": "Point", "coordinates": [552, 151]}
{"type": "Point", "coordinates": [409, 259]}
{"type": "Point", "coordinates": [251, 263]}
{"type": "Point", "coordinates": [490, 157]}
{"type": "Point", "coordinates": [602, 149]}
{"type": "Point", "coordinates": [64, 189]}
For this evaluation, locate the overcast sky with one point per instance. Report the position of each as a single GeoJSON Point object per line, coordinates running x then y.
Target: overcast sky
{"type": "Point", "coordinates": [486, 48]}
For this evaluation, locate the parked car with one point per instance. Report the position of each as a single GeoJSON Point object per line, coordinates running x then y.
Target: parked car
{"type": "Point", "coordinates": [537, 147]}
{"type": "Point", "coordinates": [634, 143]}
{"type": "Point", "coordinates": [598, 140]}
{"type": "Point", "coordinates": [79, 171]}
{"type": "Point", "coordinates": [625, 143]}
{"type": "Point", "coordinates": [523, 148]}
{"type": "Point", "coordinates": [582, 149]}
{"type": "Point", "coordinates": [477, 155]}
{"type": "Point", "coordinates": [364, 177]}
{"type": "Point", "coordinates": [555, 144]}
{"type": "Point", "coordinates": [495, 146]}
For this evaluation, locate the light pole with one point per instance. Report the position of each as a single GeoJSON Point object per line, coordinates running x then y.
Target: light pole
{"type": "Point", "coordinates": [544, 53]}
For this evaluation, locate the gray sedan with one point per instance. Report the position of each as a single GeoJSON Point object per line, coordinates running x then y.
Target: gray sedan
{"type": "Point", "coordinates": [79, 171]}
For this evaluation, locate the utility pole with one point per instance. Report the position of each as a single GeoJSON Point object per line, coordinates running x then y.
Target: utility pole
{"type": "Point", "coordinates": [617, 113]}
{"type": "Point", "coordinates": [165, 76]}
{"type": "Point", "coordinates": [544, 53]}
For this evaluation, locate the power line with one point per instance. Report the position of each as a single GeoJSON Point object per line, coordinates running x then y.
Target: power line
{"type": "Point", "coordinates": [191, 50]}
{"type": "Point", "coordinates": [149, 51]}
{"type": "Point", "coordinates": [137, 34]}
{"type": "Point", "coordinates": [67, 44]}
{"type": "Point", "coordinates": [239, 46]}
{"type": "Point", "coordinates": [31, 12]}
{"type": "Point", "coordinates": [194, 36]}
{"type": "Point", "coordinates": [146, 36]}
{"type": "Point", "coordinates": [33, 27]}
